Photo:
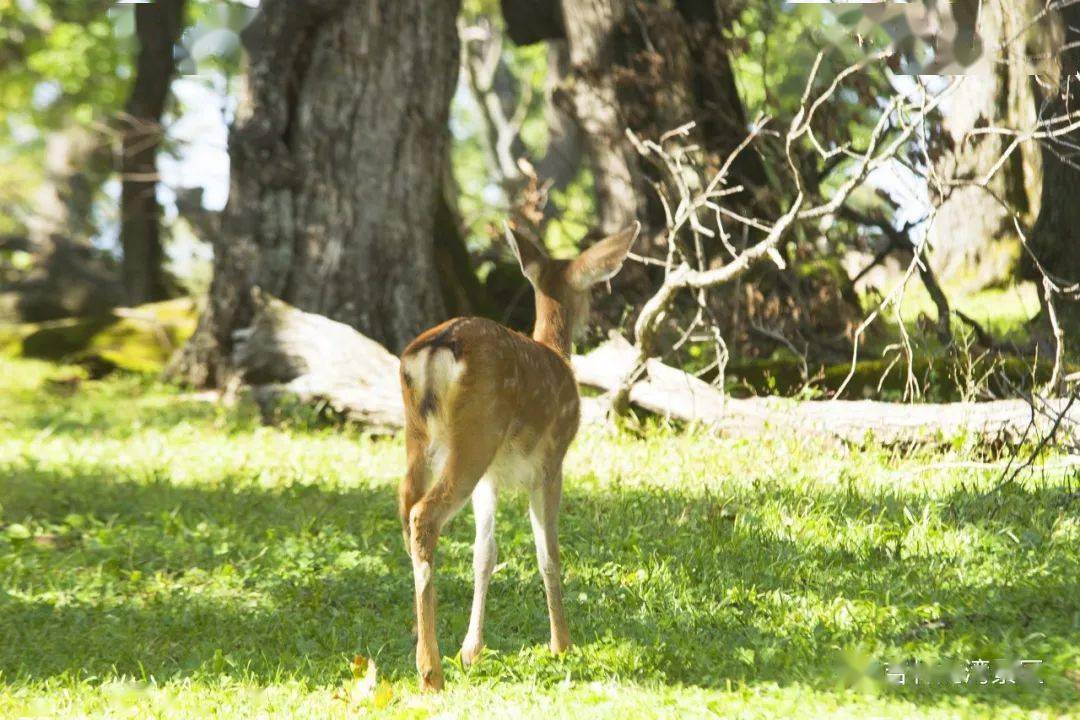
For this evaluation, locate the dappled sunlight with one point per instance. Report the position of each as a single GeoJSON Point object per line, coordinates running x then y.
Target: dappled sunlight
{"type": "Point", "coordinates": [233, 559]}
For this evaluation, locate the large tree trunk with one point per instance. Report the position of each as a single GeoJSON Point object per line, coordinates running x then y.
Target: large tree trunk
{"type": "Point", "coordinates": [1055, 239]}
{"type": "Point", "coordinates": [158, 27]}
{"type": "Point", "coordinates": [337, 156]}
{"type": "Point", "coordinates": [651, 67]}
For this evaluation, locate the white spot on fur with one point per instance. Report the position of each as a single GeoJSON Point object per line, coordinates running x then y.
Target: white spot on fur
{"type": "Point", "coordinates": [437, 450]}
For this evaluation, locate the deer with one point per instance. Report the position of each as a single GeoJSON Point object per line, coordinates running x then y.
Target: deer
{"type": "Point", "coordinates": [489, 409]}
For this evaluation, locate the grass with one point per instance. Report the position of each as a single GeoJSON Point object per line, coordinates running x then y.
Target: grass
{"type": "Point", "coordinates": [1004, 312]}
{"type": "Point", "coordinates": [161, 557]}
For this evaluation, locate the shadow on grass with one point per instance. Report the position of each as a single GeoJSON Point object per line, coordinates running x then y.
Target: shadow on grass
{"type": "Point", "coordinates": [152, 579]}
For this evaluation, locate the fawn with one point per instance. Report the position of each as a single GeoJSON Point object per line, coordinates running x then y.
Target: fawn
{"type": "Point", "coordinates": [488, 408]}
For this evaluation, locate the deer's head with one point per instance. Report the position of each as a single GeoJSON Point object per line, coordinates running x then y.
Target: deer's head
{"type": "Point", "coordinates": [562, 287]}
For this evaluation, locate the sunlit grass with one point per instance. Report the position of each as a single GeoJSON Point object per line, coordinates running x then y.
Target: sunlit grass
{"type": "Point", "coordinates": [165, 557]}
{"type": "Point", "coordinates": [1004, 312]}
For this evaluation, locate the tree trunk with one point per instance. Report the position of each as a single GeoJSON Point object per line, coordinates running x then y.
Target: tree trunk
{"type": "Point", "coordinates": [462, 291]}
{"type": "Point", "coordinates": [971, 224]}
{"type": "Point", "coordinates": [675, 394]}
{"type": "Point", "coordinates": [1055, 239]}
{"type": "Point", "coordinates": [67, 275]}
{"type": "Point", "coordinates": [317, 360]}
{"type": "Point", "coordinates": [651, 67]}
{"type": "Point", "coordinates": [158, 27]}
{"type": "Point", "coordinates": [337, 156]}
{"type": "Point", "coordinates": [286, 352]}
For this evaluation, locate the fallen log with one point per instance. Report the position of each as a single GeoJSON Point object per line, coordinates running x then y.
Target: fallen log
{"type": "Point", "coordinates": [318, 360]}
{"type": "Point", "coordinates": [672, 393]}
{"type": "Point", "coordinates": [286, 351]}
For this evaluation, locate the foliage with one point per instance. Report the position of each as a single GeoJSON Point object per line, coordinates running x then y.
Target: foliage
{"type": "Point", "coordinates": [482, 203]}
{"type": "Point", "coordinates": [61, 63]}
{"type": "Point", "coordinates": [167, 557]}
{"type": "Point", "coordinates": [772, 50]}
{"type": "Point", "coordinates": [70, 64]}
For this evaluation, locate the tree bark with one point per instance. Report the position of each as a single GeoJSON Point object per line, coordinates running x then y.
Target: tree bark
{"type": "Point", "coordinates": [651, 67]}
{"type": "Point", "coordinates": [1055, 238]}
{"type": "Point", "coordinates": [531, 21]}
{"type": "Point", "coordinates": [337, 155]}
{"type": "Point", "coordinates": [158, 26]}
{"type": "Point", "coordinates": [971, 223]}
{"type": "Point", "coordinates": [317, 360]}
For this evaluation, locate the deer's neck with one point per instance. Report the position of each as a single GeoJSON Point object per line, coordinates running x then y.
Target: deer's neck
{"type": "Point", "coordinates": [553, 326]}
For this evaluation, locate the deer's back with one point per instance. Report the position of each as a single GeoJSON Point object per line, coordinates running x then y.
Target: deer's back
{"type": "Point", "coordinates": [471, 379]}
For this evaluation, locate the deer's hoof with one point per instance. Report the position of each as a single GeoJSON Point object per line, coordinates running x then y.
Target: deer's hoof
{"type": "Point", "coordinates": [432, 680]}
{"type": "Point", "coordinates": [559, 645]}
{"type": "Point", "coordinates": [470, 652]}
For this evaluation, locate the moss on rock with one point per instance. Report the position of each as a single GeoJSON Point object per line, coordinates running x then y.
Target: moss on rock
{"type": "Point", "coordinates": [140, 339]}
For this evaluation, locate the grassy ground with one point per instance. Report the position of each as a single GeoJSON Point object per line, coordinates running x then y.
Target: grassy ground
{"type": "Point", "coordinates": [165, 558]}
{"type": "Point", "coordinates": [1003, 311]}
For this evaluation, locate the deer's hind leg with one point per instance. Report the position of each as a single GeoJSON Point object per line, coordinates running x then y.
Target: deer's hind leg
{"type": "Point", "coordinates": [465, 463]}
{"type": "Point", "coordinates": [484, 499]}
{"type": "Point", "coordinates": [417, 475]}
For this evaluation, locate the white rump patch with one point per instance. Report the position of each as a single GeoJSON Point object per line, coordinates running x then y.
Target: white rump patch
{"type": "Point", "coordinates": [433, 370]}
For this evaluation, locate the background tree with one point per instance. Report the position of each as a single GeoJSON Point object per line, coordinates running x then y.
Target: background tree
{"type": "Point", "coordinates": [376, 218]}
{"type": "Point", "coordinates": [337, 157]}
{"type": "Point", "coordinates": [158, 26]}
{"type": "Point", "coordinates": [973, 229]}
{"type": "Point", "coordinates": [649, 67]}
{"type": "Point", "coordinates": [60, 85]}
{"type": "Point", "coordinates": [1055, 239]}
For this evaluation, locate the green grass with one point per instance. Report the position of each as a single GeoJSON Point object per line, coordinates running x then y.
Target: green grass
{"type": "Point", "coordinates": [1004, 312]}
{"type": "Point", "coordinates": [161, 557]}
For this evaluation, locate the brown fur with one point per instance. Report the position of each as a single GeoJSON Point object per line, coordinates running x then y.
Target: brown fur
{"type": "Point", "coordinates": [484, 401]}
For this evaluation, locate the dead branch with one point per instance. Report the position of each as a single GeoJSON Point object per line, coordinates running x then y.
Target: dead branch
{"type": "Point", "coordinates": [685, 269]}
{"type": "Point", "coordinates": [900, 240]}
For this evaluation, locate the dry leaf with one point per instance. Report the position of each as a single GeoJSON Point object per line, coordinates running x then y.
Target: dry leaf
{"type": "Point", "coordinates": [364, 689]}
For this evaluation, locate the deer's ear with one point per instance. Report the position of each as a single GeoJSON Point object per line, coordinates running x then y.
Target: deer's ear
{"type": "Point", "coordinates": [529, 256]}
{"type": "Point", "coordinates": [603, 260]}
